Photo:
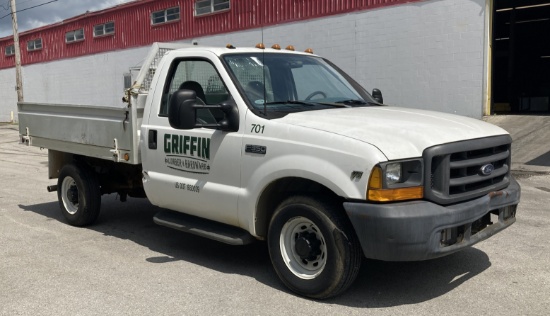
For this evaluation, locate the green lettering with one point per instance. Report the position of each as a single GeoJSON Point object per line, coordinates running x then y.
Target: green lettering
{"type": "Point", "coordinates": [186, 144]}
{"type": "Point", "coordinates": [206, 148]}
{"type": "Point", "coordinates": [193, 145]}
{"type": "Point", "coordinates": [175, 144]}
{"type": "Point", "coordinates": [167, 143]}
{"type": "Point", "coordinates": [199, 152]}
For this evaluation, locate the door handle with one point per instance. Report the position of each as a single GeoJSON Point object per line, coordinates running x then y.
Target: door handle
{"type": "Point", "coordinates": [152, 139]}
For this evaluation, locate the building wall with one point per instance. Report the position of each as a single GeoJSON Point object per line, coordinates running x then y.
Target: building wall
{"type": "Point", "coordinates": [94, 79]}
{"type": "Point", "coordinates": [426, 54]}
{"type": "Point", "coordinates": [133, 27]}
{"type": "Point", "coordinates": [8, 95]}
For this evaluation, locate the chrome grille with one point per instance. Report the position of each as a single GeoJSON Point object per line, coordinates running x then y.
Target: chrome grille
{"type": "Point", "coordinates": [454, 171]}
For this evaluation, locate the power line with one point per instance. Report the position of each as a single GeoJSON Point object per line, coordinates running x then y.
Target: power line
{"type": "Point", "coordinates": [7, 6]}
{"type": "Point", "coordinates": [38, 5]}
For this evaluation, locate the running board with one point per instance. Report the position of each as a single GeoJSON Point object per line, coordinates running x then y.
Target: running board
{"type": "Point", "coordinates": [203, 227]}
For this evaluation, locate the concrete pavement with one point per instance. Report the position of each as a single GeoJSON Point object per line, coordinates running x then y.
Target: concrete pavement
{"type": "Point", "coordinates": [531, 136]}
{"type": "Point", "coordinates": [126, 265]}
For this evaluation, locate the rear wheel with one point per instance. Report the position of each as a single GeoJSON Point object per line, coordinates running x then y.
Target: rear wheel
{"type": "Point", "coordinates": [313, 247]}
{"type": "Point", "coordinates": [78, 194]}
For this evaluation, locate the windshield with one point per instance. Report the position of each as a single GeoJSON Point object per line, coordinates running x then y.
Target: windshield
{"type": "Point", "coordinates": [289, 83]}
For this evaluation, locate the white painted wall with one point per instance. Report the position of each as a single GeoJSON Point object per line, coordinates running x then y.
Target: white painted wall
{"type": "Point", "coordinates": [425, 55]}
{"type": "Point", "coordinates": [8, 95]}
{"type": "Point", "coordinates": [94, 79]}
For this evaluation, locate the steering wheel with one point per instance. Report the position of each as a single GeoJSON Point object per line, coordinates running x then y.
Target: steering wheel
{"type": "Point", "coordinates": [314, 93]}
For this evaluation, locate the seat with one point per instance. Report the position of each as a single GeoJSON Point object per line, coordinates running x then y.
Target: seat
{"type": "Point", "coordinates": [255, 91]}
{"type": "Point", "coordinates": [195, 86]}
{"type": "Point", "coordinates": [204, 116]}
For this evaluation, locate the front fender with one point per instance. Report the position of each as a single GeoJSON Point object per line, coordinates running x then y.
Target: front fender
{"type": "Point", "coordinates": [335, 174]}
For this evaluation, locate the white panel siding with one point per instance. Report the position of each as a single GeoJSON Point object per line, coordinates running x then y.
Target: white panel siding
{"type": "Point", "coordinates": [426, 55]}
{"type": "Point", "coordinates": [8, 95]}
{"type": "Point", "coordinates": [95, 79]}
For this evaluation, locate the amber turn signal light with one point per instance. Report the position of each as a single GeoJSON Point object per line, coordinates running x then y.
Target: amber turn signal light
{"type": "Point", "coordinates": [392, 195]}
{"type": "Point", "coordinates": [377, 193]}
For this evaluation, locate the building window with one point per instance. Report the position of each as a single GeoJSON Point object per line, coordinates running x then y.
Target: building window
{"type": "Point", "coordinates": [10, 50]}
{"type": "Point", "coordinates": [74, 36]}
{"type": "Point", "coordinates": [159, 17]}
{"type": "Point", "coordinates": [104, 29]}
{"type": "Point", "coordinates": [210, 6]}
{"type": "Point", "coordinates": [35, 44]}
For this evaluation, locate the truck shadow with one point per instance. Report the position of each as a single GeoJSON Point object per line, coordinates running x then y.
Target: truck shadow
{"type": "Point", "coordinates": [379, 284]}
{"type": "Point", "coordinates": [542, 160]}
{"type": "Point", "coordinates": [387, 284]}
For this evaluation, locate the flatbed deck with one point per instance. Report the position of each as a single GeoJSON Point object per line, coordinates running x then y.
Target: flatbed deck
{"type": "Point", "coordinates": [103, 132]}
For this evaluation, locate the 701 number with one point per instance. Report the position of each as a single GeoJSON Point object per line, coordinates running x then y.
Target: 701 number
{"type": "Point", "coordinates": [257, 128]}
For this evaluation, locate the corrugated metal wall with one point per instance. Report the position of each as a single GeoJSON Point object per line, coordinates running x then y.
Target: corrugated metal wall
{"type": "Point", "coordinates": [133, 24]}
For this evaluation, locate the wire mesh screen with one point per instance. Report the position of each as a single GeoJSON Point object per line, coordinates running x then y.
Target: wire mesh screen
{"type": "Point", "coordinates": [146, 84]}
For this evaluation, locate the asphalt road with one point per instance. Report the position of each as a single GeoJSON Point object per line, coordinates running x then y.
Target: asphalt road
{"type": "Point", "coordinates": [126, 265]}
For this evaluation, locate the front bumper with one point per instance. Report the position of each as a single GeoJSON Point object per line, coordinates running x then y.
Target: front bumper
{"type": "Point", "coordinates": [421, 230]}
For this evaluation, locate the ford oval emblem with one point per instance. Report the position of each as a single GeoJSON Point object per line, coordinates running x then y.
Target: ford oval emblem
{"type": "Point", "coordinates": [487, 169]}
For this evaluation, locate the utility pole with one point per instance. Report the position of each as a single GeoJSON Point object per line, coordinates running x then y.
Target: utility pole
{"type": "Point", "coordinates": [18, 78]}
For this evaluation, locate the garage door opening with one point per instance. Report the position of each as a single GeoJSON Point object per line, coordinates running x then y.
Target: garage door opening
{"type": "Point", "coordinates": [521, 57]}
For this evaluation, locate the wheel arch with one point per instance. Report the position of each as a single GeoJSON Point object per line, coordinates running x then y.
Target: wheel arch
{"type": "Point", "coordinates": [56, 161]}
{"type": "Point", "coordinates": [279, 190]}
{"type": "Point", "coordinates": [112, 176]}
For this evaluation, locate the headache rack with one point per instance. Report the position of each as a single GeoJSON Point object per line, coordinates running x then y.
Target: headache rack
{"type": "Point", "coordinates": [466, 170]}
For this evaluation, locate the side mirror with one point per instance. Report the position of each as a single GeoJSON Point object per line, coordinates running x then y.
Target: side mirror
{"type": "Point", "coordinates": [377, 95]}
{"type": "Point", "coordinates": [181, 109]}
{"type": "Point", "coordinates": [182, 112]}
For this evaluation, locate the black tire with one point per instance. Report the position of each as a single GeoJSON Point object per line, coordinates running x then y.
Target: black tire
{"type": "Point", "coordinates": [79, 195]}
{"type": "Point", "coordinates": [313, 247]}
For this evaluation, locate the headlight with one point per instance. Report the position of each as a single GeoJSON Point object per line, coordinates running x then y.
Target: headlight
{"type": "Point", "coordinates": [396, 181]}
{"type": "Point", "coordinates": [393, 172]}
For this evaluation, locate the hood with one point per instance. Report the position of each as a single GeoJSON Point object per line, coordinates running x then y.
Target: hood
{"type": "Point", "coordinates": [398, 132]}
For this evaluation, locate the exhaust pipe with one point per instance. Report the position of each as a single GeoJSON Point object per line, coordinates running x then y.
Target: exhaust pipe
{"type": "Point", "coordinates": [51, 188]}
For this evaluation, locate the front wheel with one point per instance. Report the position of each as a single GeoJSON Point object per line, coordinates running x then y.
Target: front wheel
{"type": "Point", "coordinates": [313, 247]}
{"type": "Point", "coordinates": [79, 195]}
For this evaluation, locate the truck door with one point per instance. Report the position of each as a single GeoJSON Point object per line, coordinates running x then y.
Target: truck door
{"type": "Point", "coordinates": [192, 171]}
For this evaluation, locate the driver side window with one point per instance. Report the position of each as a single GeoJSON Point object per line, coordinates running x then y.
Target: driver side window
{"type": "Point", "coordinates": [201, 77]}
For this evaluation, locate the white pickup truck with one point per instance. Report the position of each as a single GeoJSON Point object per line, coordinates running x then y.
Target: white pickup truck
{"type": "Point", "coordinates": [244, 144]}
